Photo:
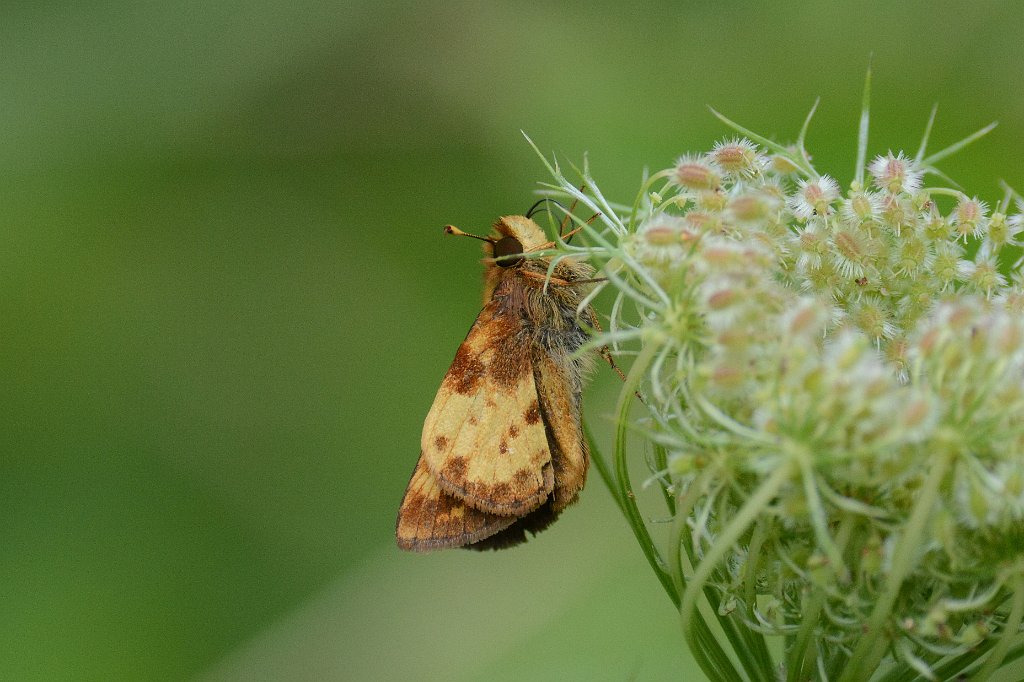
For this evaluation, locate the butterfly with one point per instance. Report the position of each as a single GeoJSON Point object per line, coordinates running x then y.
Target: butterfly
{"type": "Point", "coordinates": [502, 450]}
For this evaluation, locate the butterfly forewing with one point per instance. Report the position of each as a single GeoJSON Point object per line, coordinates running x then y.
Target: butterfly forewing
{"type": "Point", "coordinates": [484, 438]}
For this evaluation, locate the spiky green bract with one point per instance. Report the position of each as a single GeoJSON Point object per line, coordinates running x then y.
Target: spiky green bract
{"type": "Point", "coordinates": [833, 407]}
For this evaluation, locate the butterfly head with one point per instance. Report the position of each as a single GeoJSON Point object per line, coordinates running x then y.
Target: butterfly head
{"type": "Point", "coordinates": [514, 235]}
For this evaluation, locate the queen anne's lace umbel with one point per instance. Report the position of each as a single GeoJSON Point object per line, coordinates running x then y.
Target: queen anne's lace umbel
{"type": "Point", "coordinates": [834, 407]}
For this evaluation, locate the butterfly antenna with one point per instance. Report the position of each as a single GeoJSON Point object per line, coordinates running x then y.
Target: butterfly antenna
{"type": "Point", "coordinates": [536, 206]}
{"type": "Point", "coordinates": [451, 229]}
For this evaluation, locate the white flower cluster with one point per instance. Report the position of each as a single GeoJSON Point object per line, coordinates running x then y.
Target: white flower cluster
{"type": "Point", "coordinates": [835, 382]}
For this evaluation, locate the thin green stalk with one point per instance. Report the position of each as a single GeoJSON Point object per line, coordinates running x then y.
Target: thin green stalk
{"type": "Point", "coordinates": [684, 507]}
{"type": "Point", "coordinates": [927, 133]}
{"type": "Point", "coordinates": [749, 645]}
{"type": "Point", "coordinates": [796, 662]}
{"type": "Point", "coordinates": [757, 540]}
{"type": "Point", "coordinates": [755, 660]}
{"type": "Point", "coordinates": [602, 467]}
{"type": "Point", "coordinates": [623, 484]}
{"type": "Point", "coordinates": [744, 517]}
{"type": "Point", "coordinates": [819, 521]}
{"type": "Point", "coordinates": [957, 146]}
{"type": "Point", "coordinates": [798, 659]}
{"type": "Point", "coordinates": [758, 644]}
{"type": "Point", "coordinates": [868, 653]}
{"type": "Point", "coordinates": [1011, 632]}
{"type": "Point", "coordinates": [661, 462]}
{"type": "Point", "coordinates": [862, 129]}
{"type": "Point", "coordinates": [947, 670]}
{"type": "Point", "coordinates": [710, 653]}
{"type": "Point", "coordinates": [803, 136]}
{"type": "Point", "coordinates": [710, 656]}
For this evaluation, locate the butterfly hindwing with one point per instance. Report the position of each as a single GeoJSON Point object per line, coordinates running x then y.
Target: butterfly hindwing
{"type": "Point", "coordinates": [561, 407]}
{"type": "Point", "coordinates": [429, 518]}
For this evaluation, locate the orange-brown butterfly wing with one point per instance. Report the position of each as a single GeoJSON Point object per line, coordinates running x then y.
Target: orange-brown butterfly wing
{"type": "Point", "coordinates": [559, 395]}
{"type": "Point", "coordinates": [430, 519]}
{"type": "Point", "coordinates": [484, 439]}
{"type": "Point", "coordinates": [561, 407]}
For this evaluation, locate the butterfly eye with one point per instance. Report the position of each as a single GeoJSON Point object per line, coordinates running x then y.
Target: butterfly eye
{"type": "Point", "coordinates": [504, 250]}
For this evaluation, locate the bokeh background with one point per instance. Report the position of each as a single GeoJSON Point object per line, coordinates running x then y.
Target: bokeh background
{"type": "Point", "coordinates": [226, 303]}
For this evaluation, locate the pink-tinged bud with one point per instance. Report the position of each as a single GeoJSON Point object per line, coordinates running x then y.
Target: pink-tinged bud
{"type": "Point", "coordinates": [739, 157]}
{"type": "Point", "coordinates": [861, 207]}
{"type": "Point", "coordinates": [929, 340]}
{"type": "Point", "coordinates": [727, 376]}
{"type": "Point", "coordinates": [969, 218]}
{"type": "Point", "coordinates": [895, 213]}
{"type": "Point", "coordinates": [697, 174]}
{"type": "Point", "coordinates": [808, 317]}
{"type": "Point", "coordinates": [916, 413]}
{"type": "Point", "coordinates": [1007, 338]}
{"type": "Point", "coordinates": [753, 207]}
{"type": "Point", "coordinates": [968, 210]}
{"type": "Point", "coordinates": [747, 208]}
{"type": "Point", "coordinates": [814, 197]}
{"type": "Point", "coordinates": [895, 173]}
{"type": "Point", "coordinates": [661, 235]}
{"type": "Point", "coordinates": [723, 298]}
{"type": "Point", "coordinates": [659, 242]}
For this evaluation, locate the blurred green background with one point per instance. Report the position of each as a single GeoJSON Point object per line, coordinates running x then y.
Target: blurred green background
{"type": "Point", "coordinates": [226, 303]}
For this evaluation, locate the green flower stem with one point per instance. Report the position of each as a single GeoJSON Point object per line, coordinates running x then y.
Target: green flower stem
{"type": "Point", "coordinates": [948, 670]}
{"type": "Point", "coordinates": [1011, 632]}
{"type": "Point", "coordinates": [719, 660]}
{"type": "Point", "coordinates": [872, 646]}
{"type": "Point", "coordinates": [684, 507]}
{"type": "Point", "coordinates": [724, 543]}
{"type": "Point", "coordinates": [642, 194]}
{"type": "Point", "coordinates": [819, 521]}
{"type": "Point", "coordinates": [798, 658]}
{"type": "Point", "coordinates": [750, 646]}
{"type": "Point", "coordinates": [602, 467]}
{"type": "Point", "coordinates": [757, 644]}
{"type": "Point", "coordinates": [757, 540]}
{"type": "Point", "coordinates": [710, 656]}
{"type": "Point", "coordinates": [661, 463]}
{"type": "Point", "coordinates": [622, 481]}
{"type": "Point", "coordinates": [799, 655]}
{"type": "Point", "coordinates": [720, 667]}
